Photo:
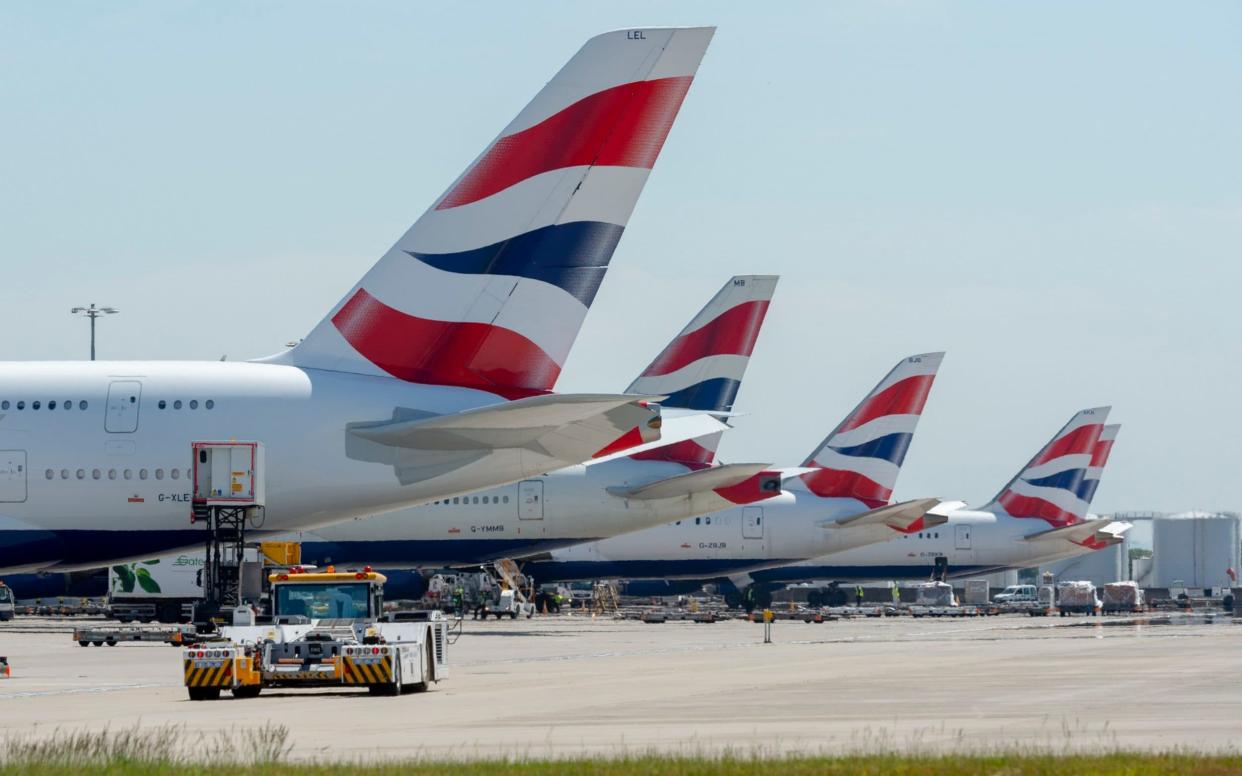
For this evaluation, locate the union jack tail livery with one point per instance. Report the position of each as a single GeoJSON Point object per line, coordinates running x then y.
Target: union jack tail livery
{"type": "Point", "coordinates": [862, 457]}
{"type": "Point", "coordinates": [490, 286]}
{"type": "Point", "coordinates": [1050, 486]}
{"type": "Point", "coordinates": [1099, 459]}
{"type": "Point", "coordinates": [702, 368]}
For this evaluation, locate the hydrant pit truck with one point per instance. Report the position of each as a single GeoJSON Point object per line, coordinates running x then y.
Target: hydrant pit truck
{"type": "Point", "coordinates": [327, 630]}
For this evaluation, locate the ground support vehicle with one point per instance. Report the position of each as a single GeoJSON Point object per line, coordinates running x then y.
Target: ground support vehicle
{"type": "Point", "coordinates": [111, 635]}
{"type": "Point", "coordinates": [1121, 597]}
{"type": "Point", "coordinates": [1077, 598]}
{"type": "Point", "coordinates": [326, 630]}
{"type": "Point", "coordinates": [7, 607]}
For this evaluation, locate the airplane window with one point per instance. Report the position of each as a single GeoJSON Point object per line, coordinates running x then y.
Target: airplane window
{"type": "Point", "coordinates": [67, 404]}
{"type": "Point", "coordinates": [51, 473]}
{"type": "Point", "coordinates": [476, 499]}
{"type": "Point", "coordinates": [96, 474]}
{"type": "Point", "coordinates": [81, 474]}
{"type": "Point", "coordinates": [455, 499]}
{"type": "Point", "coordinates": [112, 474]}
{"type": "Point", "coordinates": [162, 404]}
{"type": "Point", "coordinates": [485, 499]}
{"type": "Point", "coordinates": [64, 474]}
{"type": "Point", "coordinates": [175, 473]}
{"type": "Point", "coordinates": [142, 474]}
{"type": "Point", "coordinates": [159, 474]}
{"type": "Point", "coordinates": [4, 405]}
{"type": "Point", "coordinates": [81, 405]}
{"type": "Point", "coordinates": [210, 404]}
{"type": "Point", "coordinates": [129, 474]}
{"type": "Point", "coordinates": [698, 521]}
{"type": "Point", "coordinates": [708, 520]}
{"type": "Point", "coordinates": [677, 523]}
{"type": "Point", "coordinates": [51, 405]}
{"type": "Point", "coordinates": [193, 404]}
{"type": "Point", "coordinates": [21, 405]}
{"type": "Point", "coordinates": [34, 405]}
{"type": "Point", "coordinates": [177, 404]}
{"type": "Point", "coordinates": [187, 474]}
{"type": "Point", "coordinates": [506, 499]}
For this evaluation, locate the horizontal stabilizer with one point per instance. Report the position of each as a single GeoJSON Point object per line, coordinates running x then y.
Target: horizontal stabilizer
{"type": "Point", "coordinates": [676, 426]}
{"type": "Point", "coordinates": [904, 516]}
{"type": "Point", "coordinates": [702, 481]}
{"type": "Point", "coordinates": [1092, 531]}
{"type": "Point", "coordinates": [570, 427]}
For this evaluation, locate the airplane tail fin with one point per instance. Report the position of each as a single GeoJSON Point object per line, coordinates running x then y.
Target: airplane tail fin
{"type": "Point", "coordinates": [489, 288]}
{"type": "Point", "coordinates": [1049, 486]}
{"type": "Point", "coordinates": [702, 368]}
{"type": "Point", "coordinates": [1099, 459]}
{"type": "Point", "coordinates": [862, 456]}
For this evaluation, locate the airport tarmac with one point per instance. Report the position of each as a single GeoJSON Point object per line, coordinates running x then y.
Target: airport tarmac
{"type": "Point", "coordinates": [576, 686]}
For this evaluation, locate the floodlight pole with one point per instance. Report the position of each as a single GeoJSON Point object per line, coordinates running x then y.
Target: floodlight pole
{"type": "Point", "coordinates": [93, 312]}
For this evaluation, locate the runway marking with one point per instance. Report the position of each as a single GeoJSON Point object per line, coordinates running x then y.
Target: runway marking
{"type": "Point", "coordinates": [81, 690]}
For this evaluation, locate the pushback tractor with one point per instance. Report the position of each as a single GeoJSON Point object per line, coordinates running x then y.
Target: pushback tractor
{"type": "Point", "coordinates": [326, 630]}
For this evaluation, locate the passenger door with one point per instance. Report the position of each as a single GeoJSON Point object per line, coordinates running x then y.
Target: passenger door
{"type": "Point", "coordinates": [752, 522]}
{"type": "Point", "coordinates": [12, 475]}
{"type": "Point", "coordinates": [123, 403]}
{"type": "Point", "coordinates": [961, 539]}
{"type": "Point", "coordinates": [530, 500]}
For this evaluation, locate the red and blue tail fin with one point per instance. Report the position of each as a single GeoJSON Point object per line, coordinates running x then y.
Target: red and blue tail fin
{"type": "Point", "coordinates": [1050, 486]}
{"type": "Point", "coordinates": [702, 368]}
{"type": "Point", "coordinates": [1099, 459]}
{"type": "Point", "coordinates": [862, 457]}
{"type": "Point", "coordinates": [489, 288]}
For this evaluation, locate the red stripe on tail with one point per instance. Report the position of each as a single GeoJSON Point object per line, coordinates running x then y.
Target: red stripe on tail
{"type": "Point", "coordinates": [1029, 506]}
{"type": "Point", "coordinates": [470, 355]}
{"type": "Point", "coordinates": [624, 126]}
{"type": "Point", "coordinates": [688, 452]}
{"type": "Point", "coordinates": [732, 333]}
{"type": "Point", "coordinates": [904, 397]}
{"type": "Point", "coordinates": [836, 483]}
{"type": "Point", "coordinates": [1080, 440]}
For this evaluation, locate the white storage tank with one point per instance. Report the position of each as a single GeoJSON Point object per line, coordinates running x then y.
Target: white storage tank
{"type": "Point", "coordinates": [1098, 567]}
{"type": "Point", "coordinates": [1196, 548]}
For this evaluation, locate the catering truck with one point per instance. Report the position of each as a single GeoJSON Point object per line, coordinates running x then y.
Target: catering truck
{"type": "Point", "coordinates": [161, 589]}
{"type": "Point", "coordinates": [325, 630]}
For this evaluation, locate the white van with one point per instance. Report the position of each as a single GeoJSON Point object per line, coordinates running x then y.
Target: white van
{"type": "Point", "coordinates": [1017, 594]}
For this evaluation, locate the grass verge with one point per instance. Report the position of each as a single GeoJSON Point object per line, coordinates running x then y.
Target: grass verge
{"type": "Point", "coordinates": [265, 751]}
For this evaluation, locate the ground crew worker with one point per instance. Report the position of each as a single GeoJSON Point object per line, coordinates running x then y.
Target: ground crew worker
{"type": "Point", "coordinates": [858, 595]}
{"type": "Point", "coordinates": [896, 594]}
{"type": "Point", "coordinates": [459, 596]}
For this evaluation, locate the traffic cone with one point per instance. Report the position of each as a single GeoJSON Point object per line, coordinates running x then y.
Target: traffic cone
{"type": "Point", "coordinates": [5, 671]}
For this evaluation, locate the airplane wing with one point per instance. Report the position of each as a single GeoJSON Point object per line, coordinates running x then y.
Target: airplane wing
{"type": "Point", "coordinates": [566, 427]}
{"type": "Point", "coordinates": [702, 481]}
{"type": "Point", "coordinates": [904, 516]}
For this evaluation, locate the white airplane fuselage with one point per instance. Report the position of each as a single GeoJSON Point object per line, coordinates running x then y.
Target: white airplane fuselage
{"type": "Point", "coordinates": [99, 472]}
{"type": "Point", "coordinates": [779, 531]}
{"type": "Point", "coordinates": [534, 516]}
{"type": "Point", "coordinates": [971, 542]}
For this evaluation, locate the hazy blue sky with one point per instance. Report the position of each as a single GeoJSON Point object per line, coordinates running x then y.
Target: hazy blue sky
{"type": "Point", "coordinates": [1048, 191]}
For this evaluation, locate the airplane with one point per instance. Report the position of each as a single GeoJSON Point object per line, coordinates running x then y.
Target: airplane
{"type": "Point", "coordinates": [431, 378]}
{"type": "Point", "coordinates": [700, 369]}
{"type": "Point", "coordinates": [838, 499]}
{"type": "Point", "coordinates": [1040, 515]}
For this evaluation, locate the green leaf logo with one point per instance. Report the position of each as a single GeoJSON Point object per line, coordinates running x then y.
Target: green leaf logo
{"type": "Point", "coordinates": [145, 581]}
{"type": "Point", "coordinates": [124, 579]}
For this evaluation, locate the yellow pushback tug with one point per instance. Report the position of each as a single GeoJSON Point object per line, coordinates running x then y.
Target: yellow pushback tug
{"type": "Point", "coordinates": [327, 630]}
